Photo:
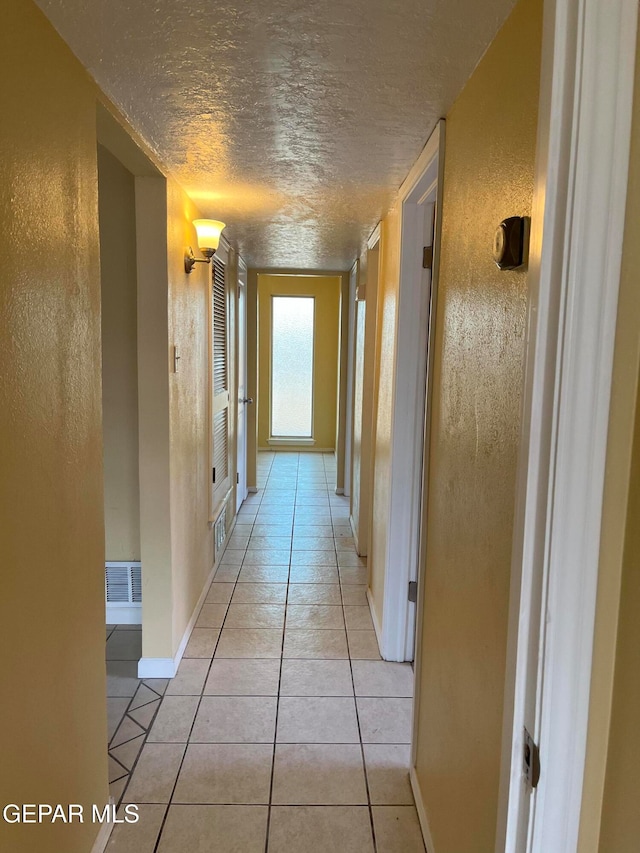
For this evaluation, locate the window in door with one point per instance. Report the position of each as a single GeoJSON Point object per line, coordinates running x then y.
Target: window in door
{"type": "Point", "coordinates": [292, 342]}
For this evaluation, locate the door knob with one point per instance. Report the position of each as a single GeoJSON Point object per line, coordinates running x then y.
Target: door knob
{"type": "Point", "coordinates": [247, 400]}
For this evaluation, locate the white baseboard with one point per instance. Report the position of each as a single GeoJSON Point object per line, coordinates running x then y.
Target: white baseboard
{"type": "Point", "coordinates": [156, 668]}
{"type": "Point", "coordinates": [102, 839]}
{"type": "Point", "coordinates": [422, 815]}
{"type": "Point", "coordinates": [167, 667]}
{"type": "Point", "coordinates": [354, 532]}
{"type": "Point", "coordinates": [374, 619]}
{"type": "Point", "coordinates": [124, 614]}
{"type": "Point", "coordinates": [339, 491]}
{"type": "Point", "coordinates": [252, 489]}
{"type": "Point", "coordinates": [355, 537]}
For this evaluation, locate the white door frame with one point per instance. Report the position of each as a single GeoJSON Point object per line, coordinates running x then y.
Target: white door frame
{"type": "Point", "coordinates": [241, 333]}
{"type": "Point", "coordinates": [576, 249]}
{"type": "Point", "coordinates": [351, 334]}
{"type": "Point", "coordinates": [419, 197]}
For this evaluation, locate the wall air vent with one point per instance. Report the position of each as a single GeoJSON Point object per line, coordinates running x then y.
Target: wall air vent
{"type": "Point", "coordinates": [123, 583]}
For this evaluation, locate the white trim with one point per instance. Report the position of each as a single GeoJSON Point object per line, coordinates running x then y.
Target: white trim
{"type": "Point", "coordinates": [156, 668]}
{"type": "Point", "coordinates": [422, 814]}
{"type": "Point", "coordinates": [354, 533]}
{"type": "Point", "coordinates": [374, 619]}
{"type": "Point", "coordinates": [241, 382]}
{"type": "Point", "coordinates": [291, 442]}
{"type": "Point", "coordinates": [308, 439]}
{"type": "Point", "coordinates": [167, 667]}
{"type": "Point", "coordinates": [223, 250]}
{"type": "Point", "coordinates": [304, 448]}
{"type": "Point", "coordinates": [340, 492]}
{"type": "Point", "coordinates": [102, 839]}
{"type": "Point", "coordinates": [419, 197]}
{"type": "Point", "coordinates": [374, 237]}
{"type": "Point", "coordinates": [253, 490]}
{"type": "Point", "coordinates": [589, 87]}
{"type": "Point", "coordinates": [124, 614]}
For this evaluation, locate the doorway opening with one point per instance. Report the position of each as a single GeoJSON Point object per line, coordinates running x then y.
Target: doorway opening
{"type": "Point", "coordinates": [298, 362]}
{"type": "Point", "coordinates": [399, 555]}
{"type": "Point", "coordinates": [131, 703]}
{"type": "Point", "coordinates": [243, 400]}
{"type": "Point", "coordinates": [364, 394]}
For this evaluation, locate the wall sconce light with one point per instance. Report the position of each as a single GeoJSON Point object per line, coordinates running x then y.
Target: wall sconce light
{"type": "Point", "coordinates": [208, 231]}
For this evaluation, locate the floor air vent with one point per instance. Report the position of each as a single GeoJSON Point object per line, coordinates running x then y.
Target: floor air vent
{"type": "Point", "coordinates": [123, 593]}
{"type": "Point", "coordinates": [220, 531]}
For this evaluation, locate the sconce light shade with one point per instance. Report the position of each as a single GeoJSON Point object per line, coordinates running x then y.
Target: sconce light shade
{"type": "Point", "coordinates": [208, 232]}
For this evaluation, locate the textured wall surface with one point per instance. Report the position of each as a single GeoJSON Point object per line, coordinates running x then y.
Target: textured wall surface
{"type": "Point", "coordinates": [53, 710]}
{"type": "Point", "coordinates": [294, 122]}
{"type": "Point", "coordinates": [177, 542]}
{"type": "Point", "coordinates": [479, 346]}
{"type": "Point", "coordinates": [364, 393]}
{"type": "Point", "coordinates": [388, 285]}
{"type": "Point", "coordinates": [191, 536]}
{"type": "Point", "coordinates": [154, 419]}
{"type": "Point", "coordinates": [116, 192]}
{"type": "Point", "coordinates": [620, 829]}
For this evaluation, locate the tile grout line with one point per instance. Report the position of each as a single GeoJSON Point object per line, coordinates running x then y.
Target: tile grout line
{"type": "Point", "coordinates": [284, 628]}
{"type": "Point", "coordinates": [145, 734]}
{"type": "Point", "coordinates": [313, 484]}
{"type": "Point", "coordinates": [204, 684]}
{"type": "Point", "coordinates": [355, 703]}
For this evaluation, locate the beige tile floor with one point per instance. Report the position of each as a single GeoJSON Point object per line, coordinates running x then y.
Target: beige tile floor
{"type": "Point", "coordinates": [283, 731]}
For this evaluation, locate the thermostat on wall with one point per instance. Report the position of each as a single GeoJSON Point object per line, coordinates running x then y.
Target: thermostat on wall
{"type": "Point", "coordinates": [510, 243]}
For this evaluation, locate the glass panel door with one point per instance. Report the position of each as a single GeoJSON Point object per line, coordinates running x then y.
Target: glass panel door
{"type": "Point", "coordinates": [292, 338]}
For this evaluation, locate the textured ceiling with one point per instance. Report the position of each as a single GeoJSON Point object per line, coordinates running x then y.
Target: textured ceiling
{"type": "Point", "coordinates": [294, 121]}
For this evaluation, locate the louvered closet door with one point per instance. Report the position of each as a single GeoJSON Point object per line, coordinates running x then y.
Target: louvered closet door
{"type": "Point", "coordinates": [220, 384]}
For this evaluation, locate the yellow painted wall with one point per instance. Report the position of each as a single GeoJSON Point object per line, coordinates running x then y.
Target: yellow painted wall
{"type": "Point", "coordinates": [175, 466]}
{"type": "Point", "coordinates": [610, 819]}
{"type": "Point", "coordinates": [620, 830]}
{"type": "Point", "coordinates": [154, 452]}
{"type": "Point", "coordinates": [326, 290]}
{"type": "Point", "coordinates": [191, 535]}
{"type": "Point", "coordinates": [116, 199]}
{"type": "Point", "coordinates": [358, 395]}
{"type": "Point", "coordinates": [387, 301]}
{"type": "Point", "coordinates": [365, 390]}
{"type": "Point", "coordinates": [479, 346]}
{"type": "Point", "coordinates": [177, 539]}
{"type": "Point", "coordinates": [53, 709]}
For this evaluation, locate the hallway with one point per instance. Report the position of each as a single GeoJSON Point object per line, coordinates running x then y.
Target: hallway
{"type": "Point", "coordinates": [282, 727]}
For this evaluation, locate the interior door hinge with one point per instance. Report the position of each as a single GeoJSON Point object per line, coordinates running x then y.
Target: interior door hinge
{"type": "Point", "coordinates": [238, 478]}
{"type": "Point", "coordinates": [427, 258]}
{"type": "Point", "coordinates": [530, 760]}
{"type": "Point", "coordinates": [213, 475]}
{"type": "Point", "coordinates": [413, 591]}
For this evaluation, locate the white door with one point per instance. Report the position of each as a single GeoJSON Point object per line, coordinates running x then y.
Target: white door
{"type": "Point", "coordinates": [573, 281]}
{"type": "Point", "coordinates": [221, 460]}
{"type": "Point", "coordinates": [420, 196]}
{"type": "Point", "coordinates": [243, 401]}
